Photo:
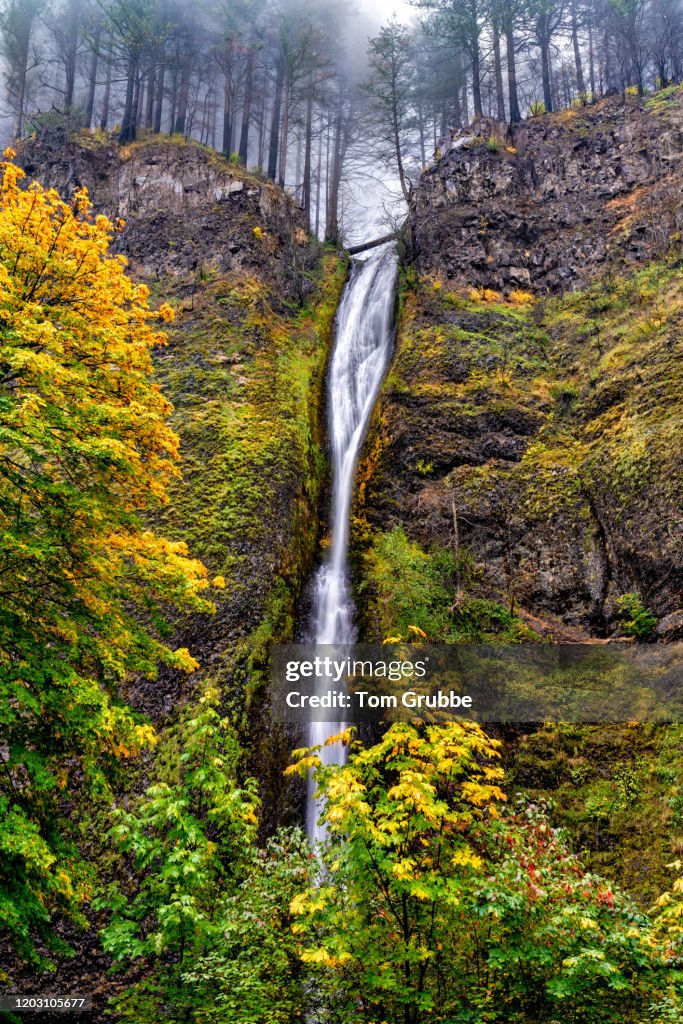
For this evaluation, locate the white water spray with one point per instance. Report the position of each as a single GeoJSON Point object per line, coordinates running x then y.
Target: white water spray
{"type": "Point", "coordinates": [361, 353]}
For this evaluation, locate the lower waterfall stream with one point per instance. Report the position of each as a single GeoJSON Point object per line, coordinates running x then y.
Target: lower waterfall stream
{"type": "Point", "coordinates": [363, 340]}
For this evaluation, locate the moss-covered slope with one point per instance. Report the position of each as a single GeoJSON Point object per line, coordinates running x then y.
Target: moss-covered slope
{"type": "Point", "coordinates": [543, 443]}
{"type": "Point", "coordinates": [523, 473]}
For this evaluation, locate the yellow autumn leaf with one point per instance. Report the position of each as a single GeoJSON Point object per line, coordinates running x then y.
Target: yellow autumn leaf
{"type": "Point", "coordinates": [316, 956]}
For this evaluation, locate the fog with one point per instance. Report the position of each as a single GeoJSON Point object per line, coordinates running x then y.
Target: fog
{"type": "Point", "coordinates": [287, 90]}
{"type": "Point", "coordinates": [380, 11]}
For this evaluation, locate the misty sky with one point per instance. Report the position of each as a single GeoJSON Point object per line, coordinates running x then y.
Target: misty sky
{"type": "Point", "coordinates": [382, 10]}
{"type": "Point", "coordinates": [370, 201]}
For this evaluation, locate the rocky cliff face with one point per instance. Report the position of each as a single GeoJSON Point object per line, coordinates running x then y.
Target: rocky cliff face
{"type": "Point", "coordinates": [187, 210]}
{"type": "Point", "coordinates": [538, 439]}
{"type": "Point", "coordinates": [524, 470]}
{"type": "Point", "coordinates": [552, 434]}
{"type": "Point", "coordinates": [557, 201]}
{"type": "Point", "coordinates": [254, 300]}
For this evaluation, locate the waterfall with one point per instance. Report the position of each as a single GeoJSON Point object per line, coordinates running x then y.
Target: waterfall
{"type": "Point", "coordinates": [363, 339]}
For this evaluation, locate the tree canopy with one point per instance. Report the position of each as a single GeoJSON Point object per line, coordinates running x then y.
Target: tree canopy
{"type": "Point", "coordinates": [85, 449]}
{"type": "Point", "coordinates": [278, 87]}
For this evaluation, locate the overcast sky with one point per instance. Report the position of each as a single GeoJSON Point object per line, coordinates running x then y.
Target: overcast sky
{"type": "Point", "coordinates": [381, 10]}
{"type": "Point", "coordinates": [368, 200]}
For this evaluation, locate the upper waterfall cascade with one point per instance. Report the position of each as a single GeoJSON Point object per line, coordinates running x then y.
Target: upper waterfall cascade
{"type": "Point", "coordinates": [363, 339]}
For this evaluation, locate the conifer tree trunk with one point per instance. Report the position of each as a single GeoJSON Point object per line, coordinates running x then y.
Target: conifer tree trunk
{"type": "Point", "coordinates": [246, 108]}
{"type": "Point", "coordinates": [580, 81]}
{"type": "Point", "coordinates": [107, 93]}
{"type": "Point", "coordinates": [21, 20]}
{"type": "Point", "coordinates": [308, 144]}
{"type": "Point", "coordinates": [72, 31]}
{"type": "Point", "coordinates": [591, 55]}
{"type": "Point", "coordinates": [127, 133]}
{"type": "Point", "coordinates": [275, 119]}
{"type": "Point", "coordinates": [159, 92]}
{"type": "Point", "coordinates": [261, 128]}
{"type": "Point", "coordinates": [498, 72]}
{"type": "Point", "coordinates": [174, 98]}
{"type": "Point", "coordinates": [545, 65]}
{"type": "Point", "coordinates": [137, 104]}
{"type": "Point", "coordinates": [183, 94]}
{"type": "Point", "coordinates": [227, 97]}
{"type": "Point", "coordinates": [610, 75]}
{"type": "Point", "coordinates": [318, 179]}
{"type": "Point", "coordinates": [476, 80]}
{"type": "Point", "coordinates": [421, 132]}
{"type": "Point", "coordinates": [457, 106]}
{"type": "Point", "coordinates": [149, 99]}
{"type": "Point", "coordinates": [513, 98]}
{"type": "Point", "coordinates": [284, 136]}
{"type": "Point", "coordinates": [332, 225]}
{"type": "Point", "coordinates": [92, 79]}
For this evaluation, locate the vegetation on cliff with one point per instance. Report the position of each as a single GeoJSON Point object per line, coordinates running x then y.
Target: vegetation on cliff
{"type": "Point", "coordinates": [526, 450]}
{"type": "Point", "coordinates": [546, 421]}
{"type": "Point", "coordinates": [248, 403]}
{"type": "Point", "coordinates": [439, 904]}
{"type": "Point", "coordinates": [86, 451]}
{"type": "Point", "coordinates": [254, 300]}
{"type": "Point", "coordinates": [90, 462]}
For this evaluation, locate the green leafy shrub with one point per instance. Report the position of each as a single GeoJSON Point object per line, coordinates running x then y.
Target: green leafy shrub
{"type": "Point", "coordinates": [426, 589]}
{"type": "Point", "coordinates": [537, 108]}
{"type": "Point", "coordinates": [198, 903]}
{"type": "Point", "coordinates": [638, 621]}
{"type": "Point", "coordinates": [253, 974]}
{"type": "Point", "coordinates": [86, 449]}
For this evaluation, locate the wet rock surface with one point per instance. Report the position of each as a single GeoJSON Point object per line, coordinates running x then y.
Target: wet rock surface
{"type": "Point", "coordinates": [555, 201]}
{"type": "Point", "coordinates": [530, 454]}
{"type": "Point", "coordinates": [244, 369]}
{"type": "Point", "coordinates": [187, 210]}
{"type": "Point", "coordinates": [566, 480]}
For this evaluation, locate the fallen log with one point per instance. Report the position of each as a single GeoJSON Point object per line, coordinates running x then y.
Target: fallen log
{"type": "Point", "coordinates": [355, 249]}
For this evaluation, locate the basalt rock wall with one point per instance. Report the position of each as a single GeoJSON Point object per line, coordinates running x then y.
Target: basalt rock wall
{"type": "Point", "coordinates": [536, 388]}
{"type": "Point", "coordinates": [524, 470]}
{"type": "Point", "coordinates": [186, 209]}
{"type": "Point", "coordinates": [557, 200]}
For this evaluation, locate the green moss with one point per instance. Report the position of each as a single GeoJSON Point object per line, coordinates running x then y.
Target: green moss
{"type": "Point", "coordinates": [550, 477]}
{"type": "Point", "coordinates": [592, 380]}
{"type": "Point", "coordinates": [246, 383]}
{"type": "Point", "coordinates": [664, 100]}
{"type": "Point", "coordinates": [626, 379]}
{"type": "Point", "coordinates": [591, 383]}
{"type": "Point", "coordinates": [247, 393]}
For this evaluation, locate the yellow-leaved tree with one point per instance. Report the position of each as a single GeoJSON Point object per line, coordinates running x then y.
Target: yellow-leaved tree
{"type": "Point", "coordinates": [398, 816]}
{"type": "Point", "coordinates": [437, 903]}
{"type": "Point", "coordinates": [85, 448]}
